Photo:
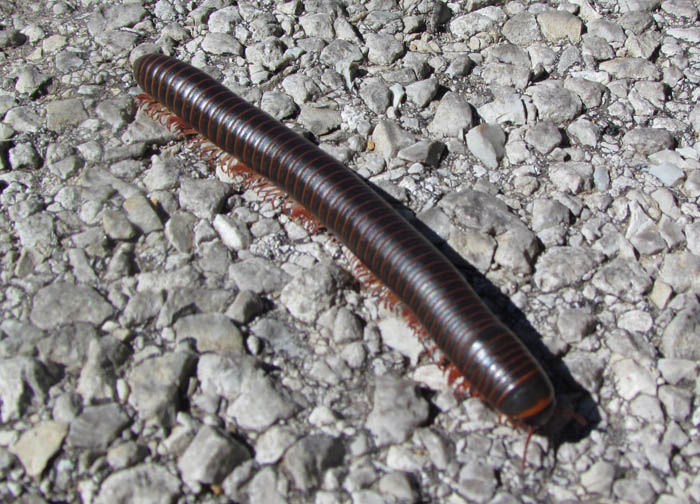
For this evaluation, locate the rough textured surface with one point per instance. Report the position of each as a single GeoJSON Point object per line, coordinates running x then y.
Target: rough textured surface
{"type": "Point", "coordinates": [159, 323]}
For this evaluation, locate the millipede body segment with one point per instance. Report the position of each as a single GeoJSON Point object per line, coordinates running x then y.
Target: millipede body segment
{"type": "Point", "coordinates": [495, 364]}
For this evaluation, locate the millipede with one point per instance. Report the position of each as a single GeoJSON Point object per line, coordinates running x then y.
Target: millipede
{"type": "Point", "coordinates": [492, 363]}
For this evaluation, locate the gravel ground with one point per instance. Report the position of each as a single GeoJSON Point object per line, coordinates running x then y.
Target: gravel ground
{"type": "Point", "coordinates": [169, 336]}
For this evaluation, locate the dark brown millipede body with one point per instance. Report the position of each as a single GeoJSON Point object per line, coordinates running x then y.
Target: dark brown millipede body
{"type": "Point", "coordinates": [494, 362]}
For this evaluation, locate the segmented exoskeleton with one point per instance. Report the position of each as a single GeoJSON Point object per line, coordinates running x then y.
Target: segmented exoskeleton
{"type": "Point", "coordinates": [494, 362]}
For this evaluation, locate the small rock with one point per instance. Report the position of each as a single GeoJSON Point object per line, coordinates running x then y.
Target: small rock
{"type": "Point", "coordinates": [452, 117]}
{"type": "Point", "coordinates": [669, 174]}
{"type": "Point", "coordinates": [310, 457]}
{"type": "Point", "coordinates": [142, 483]}
{"type": "Point", "coordinates": [396, 411]}
{"type": "Point", "coordinates": [487, 143]}
{"type": "Point", "coordinates": [37, 445]}
{"type": "Point", "coordinates": [558, 25]}
{"type": "Point", "coordinates": [61, 303]}
{"type": "Point", "coordinates": [680, 337]}
{"type": "Point", "coordinates": [156, 400]}
{"type": "Point", "coordinates": [632, 379]}
{"type": "Point", "coordinates": [210, 457]}
{"type": "Point", "coordinates": [96, 426]}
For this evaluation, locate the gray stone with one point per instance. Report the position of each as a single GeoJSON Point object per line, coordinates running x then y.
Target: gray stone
{"type": "Point", "coordinates": [126, 455]}
{"type": "Point", "coordinates": [278, 335]}
{"type": "Point", "coordinates": [38, 445]}
{"type": "Point", "coordinates": [117, 226]}
{"type": "Point", "coordinates": [477, 480]}
{"type": "Point", "coordinates": [268, 53]}
{"type": "Point", "coordinates": [464, 27]}
{"type": "Point", "coordinates": [397, 485]}
{"type": "Point", "coordinates": [504, 74]}
{"type": "Point", "coordinates": [163, 173]}
{"type": "Point", "coordinates": [97, 426]}
{"type": "Point", "coordinates": [669, 174]}
{"type": "Point", "coordinates": [179, 230]}
{"type": "Point", "coordinates": [558, 25]}
{"type": "Point", "coordinates": [559, 267]}
{"type": "Point", "coordinates": [548, 213]}
{"type": "Point", "coordinates": [37, 231]}
{"type": "Point", "coordinates": [318, 25]}
{"type": "Point", "coordinates": [424, 152]}
{"type": "Point", "coordinates": [584, 132]}
{"type": "Point", "coordinates": [347, 326]}
{"type": "Point", "coordinates": [598, 479]}
{"type": "Point", "coordinates": [389, 139]}
{"type": "Point", "coordinates": [632, 379]}
{"type": "Point", "coordinates": [452, 117]}
{"type": "Point", "coordinates": [554, 102]}
{"type": "Point", "coordinates": [681, 270]}
{"type": "Point", "coordinates": [64, 113]}
{"type": "Point", "coordinates": [62, 303]}
{"type": "Point", "coordinates": [210, 457]}
{"type": "Point", "coordinates": [479, 210]}
{"type": "Point", "coordinates": [522, 29]}
{"type": "Point", "coordinates": [203, 197]}
{"type": "Point", "coordinates": [23, 157]}
{"type": "Point", "coordinates": [23, 380]}
{"type": "Point", "coordinates": [574, 324]}
{"type": "Point", "coordinates": [422, 92]}
{"type": "Point", "coordinates": [341, 50]}
{"type": "Point", "coordinates": [260, 405]}
{"type": "Point", "coordinates": [312, 292]}
{"type": "Point", "coordinates": [319, 120]}
{"type": "Point", "coordinates": [98, 375]}
{"type": "Point", "coordinates": [597, 48]}
{"type": "Point", "coordinates": [309, 458]}
{"type": "Point", "coordinates": [23, 119]}
{"type": "Point", "coordinates": [273, 443]}
{"type": "Point", "coordinates": [156, 400]}
{"type": "Point", "coordinates": [680, 337]}
{"type": "Point", "coordinates": [394, 334]}
{"type": "Point", "coordinates": [487, 143]}
{"type": "Point", "coordinates": [608, 30]}
{"type": "Point", "coordinates": [571, 176]}
{"type": "Point", "coordinates": [475, 247]}
{"type": "Point", "coordinates": [623, 278]}
{"type": "Point", "coordinates": [67, 345]}
{"type": "Point", "coordinates": [222, 44]}
{"type": "Point", "coordinates": [591, 93]}
{"type": "Point", "coordinates": [505, 110]}
{"type": "Point", "coordinates": [66, 167]}
{"type": "Point", "coordinates": [677, 402]}
{"type": "Point", "coordinates": [460, 66]}
{"type": "Point", "coordinates": [384, 49]}
{"type": "Point", "coordinates": [396, 411]}
{"type": "Point", "coordinates": [544, 136]}
{"type": "Point", "coordinates": [517, 249]}
{"type": "Point", "coordinates": [225, 375]}
{"type": "Point", "coordinates": [634, 490]}
{"type": "Point", "coordinates": [245, 307]}
{"type": "Point", "coordinates": [140, 212]}
{"type": "Point", "coordinates": [631, 68]}
{"type": "Point", "coordinates": [116, 112]}
{"type": "Point", "coordinates": [211, 332]}
{"type": "Point", "coordinates": [263, 488]}
{"type": "Point", "coordinates": [376, 95]}
{"type": "Point", "coordinates": [234, 233]}
{"type": "Point", "coordinates": [278, 105]}
{"type": "Point", "coordinates": [148, 482]}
